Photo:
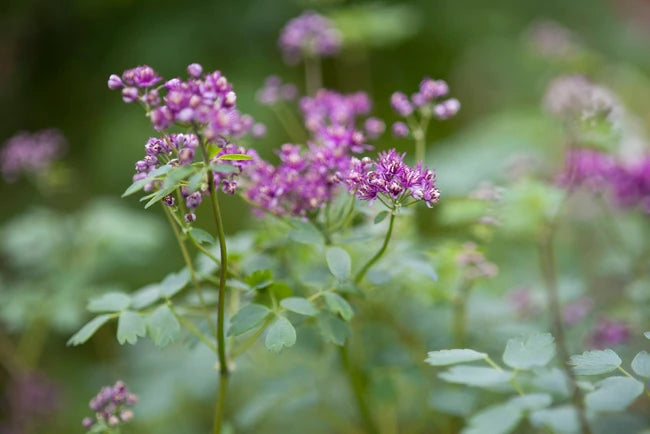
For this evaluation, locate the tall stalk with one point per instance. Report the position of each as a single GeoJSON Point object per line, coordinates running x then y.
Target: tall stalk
{"type": "Point", "coordinates": [224, 372]}
{"type": "Point", "coordinates": [358, 389]}
{"type": "Point", "coordinates": [549, 274]}
{"type": "Point", "coordinates": [360, 275]}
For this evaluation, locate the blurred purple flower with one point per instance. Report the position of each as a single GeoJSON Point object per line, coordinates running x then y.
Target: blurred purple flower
{"type": "Point", "coordinates": [577, 310]}
{"type": "Point", "coordinates": [608, 333]}
{"type": "Point", "coordinates": [309, 34]}
{"type": "Point", "coordinates": [30, 153]}
{"type": "Point", "coordinates": [111, 406]}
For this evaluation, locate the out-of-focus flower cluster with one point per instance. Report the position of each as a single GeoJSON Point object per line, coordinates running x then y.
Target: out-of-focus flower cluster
{"type": "Point", "coordinates": [275, 91]}
{"type": "Point", "coordinates": [628, 183]}
{"type": "Point", "coordinates": [30, 398]}
{"type": "Point", "coordinates": [30, 153]}
{"type": "Point", "coordinates": [552, 40]}
{"type": "Point", "coordinates": [608, 333]}
{"type": "Point", "coordinates": [306, 179]}
{"type": "Point", "coordinates": [575, 98]}
{"type": "Point", "coordinates": [474, 263]}
{"type": "Point", "coordinates": [426, 100]}
{"type": "Point", "coordinates": [309, 34]}
{"type": "Point", "coordinates": [207, 101]}
{"type": "Point", "coordinates": [391, 181]}
{"type": "Point", "coordinates": [111, 406]}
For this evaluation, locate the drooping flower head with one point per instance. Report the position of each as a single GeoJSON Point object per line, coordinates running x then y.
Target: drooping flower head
{"type": "Point", "coordinates": [30, 153]}
{"type": "Point", "coordinates": [391, 181]}
{"type": "Point", "coordinates": [309, 34]}
{"type": "Point", "coordinates": [112, 407]}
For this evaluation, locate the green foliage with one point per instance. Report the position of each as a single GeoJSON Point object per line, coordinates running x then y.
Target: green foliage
{"type": "Point", "coordinates": [529, 352]}
{"type": "Point", "coordinates": [173, 283]}
{"type": "Point", "coordinates": [130, 326]}
{"type": "Point", "coordinates": [109, 302]}
{"type": "Point", "coordinates": [380, 217]}
{"type": "Point", "coordinates": [450, 357]}
{"type": "Point", "coordinates": [562, 419]}
{"type": "Point", "coordinates": [259, 279]}
{"type": "Point", "coordinates": [280, 334]}
{"type": "Point", "coordinates": [339, 263]}
{"type": "Point", "coordinates": [595, 362]}
{"type": "Point", "coordinates": [89, 329]}
{"type": "Point", "coordinates": [338, 305]}
{"type": "Point", "coordinates": [163, 326]}
{"type": "Point", "coordinates": [247, 318]}
{"type": "Point", "coordinates": [613, 394]}
{"type": "Point", "coordinates": [641, 364]}
{"type": "Point", "coordinates": [476, 376]}
{"type": "Point", "coordinates": [299, 305]}
{"type": "Point", "coordinates": [305, 232]}
{"type": "Point", "coordinates": [201, 236]}
{"type": "Point", "coordinates": [333, 329]}
{"type": "Point", "coordinates": [497, 419]}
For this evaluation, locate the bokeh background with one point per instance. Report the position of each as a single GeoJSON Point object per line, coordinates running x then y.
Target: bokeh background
{"type": "Point", "coordinates": [63, 245]}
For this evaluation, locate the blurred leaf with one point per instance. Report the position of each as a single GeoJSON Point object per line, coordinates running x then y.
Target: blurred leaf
{"type": "Point", "coordinates": [177, 174]}
{"type": "Point", "coordinates": [202, 236]}
{"type": "Point", "coordinates": [109, 302]}
{"type": "Point", "coordinates": [89, 329]}
{"type": "Point", "coordinates": [613, 394]}
{"type": "Point", "coordinates": [381, 216]}
{"type": "Point", "coordinates": [163, 326]}
{"type": "Point", "coordinates": [247, 318]}
{"type": "Point", "coordinates": [136, 186]}
{"type": "Point", "coordinates": [259, 279]}
{"type": "Point", "coordinates": [338, 304]}
{"type": "Point", "coordinates": [532, 401]}
{"type": "Point", "coordinates": [339, 263]}
{"type": "Point", "coordinates": [647, 335]}
{"type": "Point", "coordinates": [299, 305]}
{"type": "Point", "coordinates": [223, 168]}
{"type": "Point", "coordinates": [333, 329]}
{"type": "Point", "coordinates": [235, 157]}
{"type": "Point", "coordinates": [157, 197]}
{"type": "Point", "coordinates": [305, 232]}
{"type": "Point", "coordinates": [280, 290]}
{"type": "Point", "coordinates": [497, 419]}
{"type": "Point", "coordinates": [130, 326]}
{"type": "Point", "coordinates": [529, 352]}
{"type": "Point", "coordinates": [145, 296]}
{"type": "Point", "coordinates": [562, 420]}
{"type": "Point", "coordinates": [595, 362]}
{"type": "Point", "coordinates": [476, 376]}
{"type": "Point", "coordinates": [280, 334]}
{"type": "Point", "coordinates": [450, 357]}
{"type": "Point", "coordinates": [195, 181]}
{"type": "Point", "coordinates": [174, 282]}
{"type": "Point", "coordinates": [641, 364]}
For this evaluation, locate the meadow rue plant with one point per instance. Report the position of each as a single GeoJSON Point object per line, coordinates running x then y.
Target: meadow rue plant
{"type": "Point", "coordinates": [112, 407]}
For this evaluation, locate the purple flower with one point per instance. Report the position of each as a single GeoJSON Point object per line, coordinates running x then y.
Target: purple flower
{"type": "Point", "coordinates": [576, 99]}
{"type": "Point", "coordinates": [608, 333]}
{"type": "Point", "coordinates": [391, 181]}
{"type": "Point", "coordinates": [587, 167]}
{"type": "Point", "coordinates": [190, 217]}
{"type": "Point", "coordinates": [401, 104]}
{"type": "Point", "coordinates": [258, 131]}
{"type": "Point", "coordinates": [310, 34]}
{"type": "Point", "coordinates": [130, 94]}
{"type": "Point", "coordinates": [577, 310]}
{"type": "Point", "coordinates": [426, 100]}
{"type": "Point", "coordinates": [195, 70]}
{"type": "Point", "coordinates": [446, 109]}
{"type": "Point", "coordinates": [30, 153]}
{"type": "Point", "coordinates": [111, 406]}
{"type": "Point", "coordinates": [374, 127]}
{"type": "Point", "coordinates": [115, 82]}
{"type": "Point", "coordinates": [141, 76]}
{"type": "Point", "coordinates": [400, 130]}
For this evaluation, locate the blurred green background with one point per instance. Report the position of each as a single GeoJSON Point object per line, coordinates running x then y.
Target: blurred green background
{"type": "Point", "coordinates": [57, 56]}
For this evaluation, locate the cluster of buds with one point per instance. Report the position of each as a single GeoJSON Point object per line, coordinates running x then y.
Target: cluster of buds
{"type": "Point", "coordinates": [111, 407]}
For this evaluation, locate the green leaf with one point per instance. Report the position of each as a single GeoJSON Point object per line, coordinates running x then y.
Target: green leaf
{"type": "Point", "coordinates": [195, 181]}
{"type": "Point", "coordinates": [280, 334]}
{"type": "Point", "coordinates": [476, 376]}
{"type": "Point", "coordinates": [305, 232]}
{"type": "Point", "coordinates": [235, 157]}
{"type": "Point", "coordinates": [201, 236]}
{"type": "Point", "coordinates": [496, 419]}
{"type": "Point", "coordinates": [280, 290]}
{"type": "Point", "coordinates": [177, 174]}
{"type": "Point", "coordinates": [135, 187]}
{"type": "Point", "coordinates": [531, 401]}
{"type": "Point", "coordinates": [88, 330]}
{"type": "Point", "coordinates": [614, 394]}
{"type": "Point", "coordinates": [561, 420]}
{"type": "Point", "coordinates": [247, 318]}
{"type": "Point", "coordinates": [145, 296]}
{"type": "Point", "coordinates": [338, 304]}
{"type": "Point", "coordinates": [450, 357]}
{"type": "Point", "coordinates": [174, 282]}
{"type": "Point", "coordinates": [381, 216]}
{"type": "Point", "coordinates": [223, 168]}
{"type": "Point", "coordinates": [259, 279]}
{"type": "Point", "coordinates": [299, 305]}
{"type": "Point", "coordinates": [647, 335]}
{"type": "Point", "coordinates": [338, 262]}
{"type": "Point", "coordinates": [529, 352]}
{"type": "Point", "coordinates": [130, 326]}
{"type": "Point", "coordinates": [641, 364]}
{"type": "Point", "coordinates": [595, 362]}
{"type": "Point", "coordinates": [333, 329]}
{"type": "Point", "coordinates": [157, 197]}
{"type": "Point", "coordinates": [109, 302]}
{"type": "Point", "coordinates": [163, 326]}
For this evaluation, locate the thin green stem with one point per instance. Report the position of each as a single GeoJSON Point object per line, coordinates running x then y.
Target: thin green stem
{"type": "Point", "coordinates": [549, 274]}
{"type": "Point", "coordinates": [358, 390]}
{"type": "Point", "coordinates": [491, 362]}
{"type": "Point", "coordinates": [313, 77]}
{"type": "Point", "coordinates": [190, 267]}
{"type": "Point", "coordinates": [360, 275]}
{"type": "Point", "coordinates": [192, 328]}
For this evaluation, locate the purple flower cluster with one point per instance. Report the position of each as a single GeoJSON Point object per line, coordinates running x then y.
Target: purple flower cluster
{"type": "Point", "coordinates": [111, 406]}
{"type": "Point", "coordinates": [391, 181]}
{"type": "Point", "coordinates": [310, 34]}
{"type": "Point", "coordinates": [608, 333]}
{"type": "Point", "coordinates": [275, 91]}
{"type": "Point", "coordinates": [474, 263]}
{"type": "Point", "coordinates": [426, 99]}
{"type": "Point", "coordinates": [575, 98]}
{"type": "Point", "coordinates": [206, 101]}
{"type": "Point", "coordinates": [30, 153]}
{"type": "Point", "coordinates": [306, 179]}
{"type": "Point", "coordinates": [627, 182]}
